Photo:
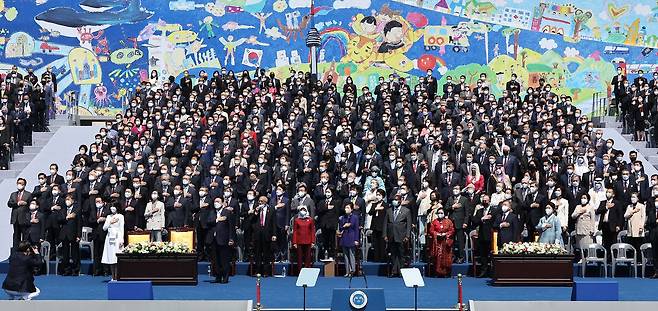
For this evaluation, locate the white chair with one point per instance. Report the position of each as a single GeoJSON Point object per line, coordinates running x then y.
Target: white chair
{"type": "Point", "coordinates": [591, 254]}
{"type": "Point", "coordinates": [57, 257]}
{"type": "Point", "coordinates": [621, 236]}
{"type": "Point", "coordinates": [45, 253]}
{"type": "Point", "coordinates": [646, 254]}
{"type": "Point", "coordinates": [85, 240]}
{"type": "Point", "coordinates": [620, 256]}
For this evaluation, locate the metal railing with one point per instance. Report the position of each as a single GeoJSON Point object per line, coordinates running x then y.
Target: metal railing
{"type": "Point", "coordinates": [600, 108]}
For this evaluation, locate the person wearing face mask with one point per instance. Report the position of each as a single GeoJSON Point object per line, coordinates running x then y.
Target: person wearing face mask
{"type": "Point", "coordinates": [155, 216]}
{"type": "Point", "coordinates": [534, 201]}
{"type": "Point", "coordinates": [442, 232]}
{"type": "Point", "coordinates": [636, 217]}
{"type": "Point", "coordinates": [507, 223]}
{"type": "Point", "coordinates": [18, 202]}
{"type": "Point", "coordinates": [221, 235]}
{"type": "Point", "coordinates": [303, 238]}
{"type": "Point", "coordinates": [459, 213]}
{"type": "Point", "coordinates": [328, 213]}
{"type": "Point", "coordinates": [97, 217]}
{"type": "Point", "coordinates": [376, 211]}
{"type": "Point", "coordinates": [200, 209]}
{"type": "Point", "coordinates": [178, 209]}
{"type": "Point", "coordinates": [279, 200]}
{"type": "Point", "coordinates": [348, 235]}
{"type": "Point", "coordinates": [69, 235]}
{"type": "Point", "coordinates": [549, 227]}
{"type": "Point", "coordinates": [397, 233]}
{"type": "Point", "coordinates": [263, 225]}
{"type": "Point", "coordinates": [33, 223]}
{"type": "Point", "coordinates": [584, 217]}
{"type": "Point", "coordinates": [302, 198]}
{"type": "Point", "coordinates": [114, 226]}
{"type": "Point", "coordinates": [611, 221]}
{"type": "Point", "coordinates": [483, 220]}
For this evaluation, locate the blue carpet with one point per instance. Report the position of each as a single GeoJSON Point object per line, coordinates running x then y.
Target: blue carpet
{"type": "Point", "coordinates": [282, 293]}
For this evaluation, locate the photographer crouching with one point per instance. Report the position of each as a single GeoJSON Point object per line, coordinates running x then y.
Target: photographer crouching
{"type": "Point", "coordinates": [19, 284]}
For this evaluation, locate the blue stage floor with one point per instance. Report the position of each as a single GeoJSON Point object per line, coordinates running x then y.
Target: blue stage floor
{"type": "Point", "coordinates": [282, 293]}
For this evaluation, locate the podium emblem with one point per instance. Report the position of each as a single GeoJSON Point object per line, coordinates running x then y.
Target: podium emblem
{"type": "Point", "coordinates": [358, 299]}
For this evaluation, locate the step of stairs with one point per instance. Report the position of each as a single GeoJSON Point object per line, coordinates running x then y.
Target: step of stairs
{"type": "Point", "coordinates": [9, 174]}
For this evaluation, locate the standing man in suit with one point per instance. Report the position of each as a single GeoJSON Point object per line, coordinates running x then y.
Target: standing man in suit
{"type": "Point", "coordinates": [34, 223]}
{"type": "Point", "coordinates": [484, 220]}
{"type": "Point", "coordinates": [508, 225]}
{"type": "Point", "coordinates": [459, 212]}
{"type": "Point", "coordinates": [221, 234]}
{"type": "Point", "coordinates": [18, 203]}
{"type": "Point", "coordinates": [97, 220]}
{"type": "Point", "coordinates": [397, 230]}
{"type": "Point", "coordinates": [69, 233]}
{"type": "Point", "coordinates": [264, 233]}
{"type": "Point", "coordinates": [611, 218]}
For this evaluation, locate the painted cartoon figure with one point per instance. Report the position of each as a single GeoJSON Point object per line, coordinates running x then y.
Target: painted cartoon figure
{"type": "Point", "coordinates": [365, 26]}
{"type": "Point", "coordinates": [208, 25]}
{"type": "Point", "coordinates": [262, 17]}
{"type": "Point", "coordinates": [360, 49]}
{"type": "Point", "coordinates": [230, 46]}
{"type": "Point", "coordinates": [393, 37]}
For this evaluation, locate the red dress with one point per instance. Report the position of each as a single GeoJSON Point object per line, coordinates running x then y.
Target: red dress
{"type": "Point", "coordinates": [441, 250]}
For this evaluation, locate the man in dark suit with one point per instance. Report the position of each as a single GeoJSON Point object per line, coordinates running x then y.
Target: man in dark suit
{"type": "Point", "coordinates": [459, 212]}
{"type": "Point", "coordinates": [611, 218]}
{"type": "Point", "coordinates": [178, 207]}
{"type": "Point", "coordinates": [507, 223]}
{"type": "Point", "coordinates": [97, 220]}
{"type": "Point", "coordinates": [221, 234]}
{"type": "Point", "coordinates": [328, 212]}
{"type": "Point", "coordinates": [484, 220]}
{"type": "Point", "coordinates": [534, 207]}
{"type": "Point", "coordinates": [397, 230]}
{"type": "Point", "coordinates": [18, 203]}
{"type": "Point", "coordinates": [34, 224]}
{"type": "Point", "coordinates": [264, 233]}
{"type": "Point", "coordinates": [69, 234]}
{"type": "Point", "coordinates": [55, 178]}
{"type": "Point", "coordinates": [201, 210]}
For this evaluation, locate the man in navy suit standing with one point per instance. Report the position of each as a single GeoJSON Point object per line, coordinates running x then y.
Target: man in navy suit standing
{"type": "Point", "coordinates": [507, 223]}
{"type": "Point", "coordinates": [222, 235]}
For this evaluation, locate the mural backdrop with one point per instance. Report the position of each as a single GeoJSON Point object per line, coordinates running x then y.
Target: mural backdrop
{"type": "Point", "coordinates": [100, 49]}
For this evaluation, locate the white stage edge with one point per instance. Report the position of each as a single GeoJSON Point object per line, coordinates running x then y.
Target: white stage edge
{"type": "Point", "coordinates": [61, 149]}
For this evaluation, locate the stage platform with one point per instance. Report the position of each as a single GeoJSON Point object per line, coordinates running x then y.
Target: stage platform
{"type": "Point", "coordinates": [282, 293]}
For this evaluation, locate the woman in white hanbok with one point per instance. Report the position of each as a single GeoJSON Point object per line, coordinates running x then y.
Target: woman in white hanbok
{"type": "Point", "coordinates": [114, 240]}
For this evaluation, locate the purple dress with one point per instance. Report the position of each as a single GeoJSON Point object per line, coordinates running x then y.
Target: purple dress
{"type": "Point", "coordinates": [350, 234]}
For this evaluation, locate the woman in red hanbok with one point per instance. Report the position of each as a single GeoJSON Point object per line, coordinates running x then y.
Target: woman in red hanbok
{"type": "Point", "coordinates": [442, 231]}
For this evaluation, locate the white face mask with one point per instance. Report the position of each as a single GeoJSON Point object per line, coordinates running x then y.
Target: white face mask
{"type": "Point", "coordinates": [633, 200]}
{"type": "Point", "coordinates": [549, 211]}
{"type": "Point", "coordinates": [113, 210]}
{"type": "Point", "coordinates": [583, 201]}
{"type": "Point", "coordinates": [505, 208]}
{"type": "Point", "coordinates": [303, 213]}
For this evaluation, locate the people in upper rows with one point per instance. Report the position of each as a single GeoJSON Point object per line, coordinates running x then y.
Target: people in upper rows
{"type": "Point", "coordinates": [280, 152]}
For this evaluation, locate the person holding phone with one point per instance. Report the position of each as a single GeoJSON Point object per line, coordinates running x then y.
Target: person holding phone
{"type": "Point", "coordinates": [19, 283]}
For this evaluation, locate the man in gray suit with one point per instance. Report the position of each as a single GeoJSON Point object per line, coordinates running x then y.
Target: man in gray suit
{"type": "Point", "coordinates": [398, 230]}
{"type": "Point", "coordinates": [18, 204]}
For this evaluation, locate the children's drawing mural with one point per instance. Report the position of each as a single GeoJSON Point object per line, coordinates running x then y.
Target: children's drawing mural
{"type": "Point", "coordinates": [101, 49]}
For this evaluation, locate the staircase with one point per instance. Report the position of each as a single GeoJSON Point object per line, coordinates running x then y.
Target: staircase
{"type": "Point", "coordinates": [650, 154]}
{"type": "Point", "coordinates": [39, 140]}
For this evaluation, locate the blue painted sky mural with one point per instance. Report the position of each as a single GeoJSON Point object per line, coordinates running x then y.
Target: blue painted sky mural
{"type": "Point", "coordinates": [100, 49]}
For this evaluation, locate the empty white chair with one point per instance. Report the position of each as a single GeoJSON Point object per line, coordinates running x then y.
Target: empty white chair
{"type": "Point", "coordinates": [646, 254]}
{"type": "Point", "coordinates": [468, 248]}
{"type": "Point", "coordinates": [621, 236]}
{"type": "Point", "coordinates": [591, 254]}
{"type": "Point", "coordinates": [620, 256]}
{"type": "Point", "coordinates": [571, 247]}
{"type": "Point", "coordinates": [85, 240]}
{"type": "Point", "coordinates": [45, 253]}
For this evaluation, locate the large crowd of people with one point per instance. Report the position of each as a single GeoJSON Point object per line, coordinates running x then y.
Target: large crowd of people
{"type": "Point", "coordinates": [294, 167]}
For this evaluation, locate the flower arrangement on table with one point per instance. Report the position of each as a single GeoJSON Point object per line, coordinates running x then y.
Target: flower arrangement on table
{"type": "Point", "coordinates": [156, 248]}
{"type": "Point", "coordinates": [531, 248]}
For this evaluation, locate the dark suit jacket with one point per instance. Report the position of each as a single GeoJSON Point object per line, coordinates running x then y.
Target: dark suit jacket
{"type": "Point", "coordinates": [35, 232]}
{"type": "Point", "coordinates": [17, 211]}
{"type": "Point", "coordinates": [269, 229]}
{"type": "Point", "coordinates": [222, 232]}
{"type": "Point", "coordinates": [509, 234]}
{"type": "Point", "coordinates": [21, 268]}
{"type": "Point", "coordinates": [485, 227]}
{"type": "Point", "coordinates": [399, 228]}
{"type": "Point", "coordinates": [71, 228]}
{"type": "Point", "coordinates": [615, 215]}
